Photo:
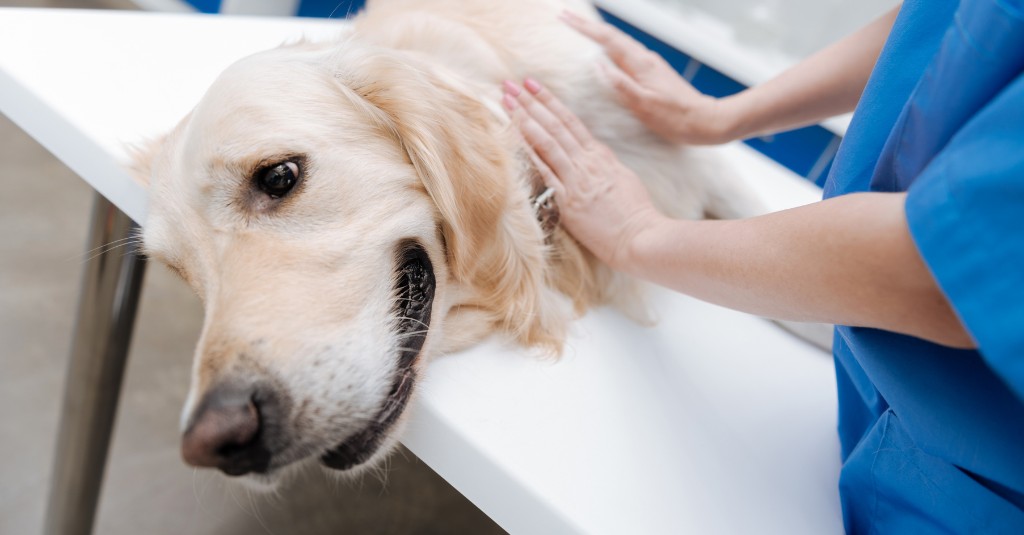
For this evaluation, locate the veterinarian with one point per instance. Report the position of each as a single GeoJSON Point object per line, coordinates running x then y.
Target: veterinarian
{"type": "Point", "coordinates": [916, 253]}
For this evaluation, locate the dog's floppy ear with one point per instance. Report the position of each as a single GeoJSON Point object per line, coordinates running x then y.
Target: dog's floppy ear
{"type": "Point", "coordinates": [448, 138]}
{"type": "Point", "coordinates": [457, 147]}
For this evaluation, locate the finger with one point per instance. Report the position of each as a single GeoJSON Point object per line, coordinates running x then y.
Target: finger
{"type": "Point", "coordinates": [628, 90]}
{"type": "Point", "coordinates": [626, 52]}
{"type": "Point", "coordinates": [547, 120]}
{"type": "Point", "coordinates": [541, 141]}
{"type": "Point", "coordinates": [546, 174]}
{"type": "Point", "coordinates": [557, 163]}
{"type": "Point", "coordinates": [569, 120]}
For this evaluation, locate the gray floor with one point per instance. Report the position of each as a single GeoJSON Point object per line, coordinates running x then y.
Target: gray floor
{"type": "Point", "coordinates": [148, 490]}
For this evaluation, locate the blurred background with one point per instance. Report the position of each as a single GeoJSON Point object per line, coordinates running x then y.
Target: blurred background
{"type": "Point", "coordinates": [148, 490]}
{"type": "Point", "coordinates": [794, 28]}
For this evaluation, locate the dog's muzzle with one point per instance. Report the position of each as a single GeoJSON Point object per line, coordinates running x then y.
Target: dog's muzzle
{"type": "Point", "coordinates": [414, 298]}
{"type": "Point", "coordinates": [235, 428]}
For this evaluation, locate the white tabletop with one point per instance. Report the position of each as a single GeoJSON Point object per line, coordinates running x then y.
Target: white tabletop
{"type": "Point", "coordinates": [711, 422]}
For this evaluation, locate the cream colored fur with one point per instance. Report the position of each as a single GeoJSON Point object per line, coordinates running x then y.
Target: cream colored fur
{"type": "Point", "coordinates": [404, 139]}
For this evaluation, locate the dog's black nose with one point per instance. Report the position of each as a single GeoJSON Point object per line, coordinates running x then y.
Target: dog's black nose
{"type": "Point", "coordinates": [225, 432]}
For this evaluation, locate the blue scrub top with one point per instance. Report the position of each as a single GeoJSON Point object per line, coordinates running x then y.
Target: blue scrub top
{"type": "Point", "coordinates": [932, 437]}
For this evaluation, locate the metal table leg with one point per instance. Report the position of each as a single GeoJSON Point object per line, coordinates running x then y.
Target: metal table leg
{"type": "Point", "coordinates": [106, 312]}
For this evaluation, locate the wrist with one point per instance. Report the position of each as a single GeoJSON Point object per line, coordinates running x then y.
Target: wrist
{"type": "Point", "coordinates": [642, 247]}
{"type": "Point", "coordinates": [731, 118]}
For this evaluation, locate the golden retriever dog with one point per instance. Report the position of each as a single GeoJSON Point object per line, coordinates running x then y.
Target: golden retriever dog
{"type": "Point", "coordinates": [346, 210]}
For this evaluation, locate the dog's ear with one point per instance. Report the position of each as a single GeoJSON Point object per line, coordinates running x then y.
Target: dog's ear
{"type": "Point", "coordinates": [453, 145]}
{"type": "Point", "coordinates": [460, 152]}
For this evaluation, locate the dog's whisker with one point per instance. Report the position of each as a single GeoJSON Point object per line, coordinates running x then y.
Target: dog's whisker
{"type": "Point", "coordinates": [195, 489]}
{"type": "Point", "coordinates": [401, 348]}
{"type": "Point", "coordinates": [381, 474]}
{"type": "Point", "coordinates": [257, 514]}
{"type": "Point", "coordinates": [406, 318]}
{"type": "Point", "coordinates": [130, 242]}
{"type": "Point", "coordinates": [99, 254]}
{"type": "Point", "coordinates": [399, 298]}
{"type": "Point", "coordinates": [233, 492]}
{"type": "Point", "coordinates": [411, 334]}
{"type": "Point", "coordinates": [426, 326]}
{"type": "Point", "coordinates": [108, 244]}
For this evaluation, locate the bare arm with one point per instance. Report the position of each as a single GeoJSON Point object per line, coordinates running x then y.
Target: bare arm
{"type": "Point", "coordinates": [826, 84]}
{"type": "Point", "coordinates": [848, 260]}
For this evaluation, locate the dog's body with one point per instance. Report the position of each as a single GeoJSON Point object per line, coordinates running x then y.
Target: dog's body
{"type": "Point", "coordinates": [347, 210]}
{"type": "Point", "coordinates": [473, 46]}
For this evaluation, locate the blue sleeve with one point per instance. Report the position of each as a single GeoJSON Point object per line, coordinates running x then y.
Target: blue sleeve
{"type": "Point", "coordinates": [966, 215]}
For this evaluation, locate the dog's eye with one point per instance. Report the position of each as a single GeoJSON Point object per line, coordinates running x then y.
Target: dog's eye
{"type": "Point", "coordinates": [278, 180]}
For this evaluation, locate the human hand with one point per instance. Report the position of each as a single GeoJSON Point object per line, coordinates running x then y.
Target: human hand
{"type": "Point", "coordinates": [653, 90]}
{"type": "Point", "coordinates": [601, 202]}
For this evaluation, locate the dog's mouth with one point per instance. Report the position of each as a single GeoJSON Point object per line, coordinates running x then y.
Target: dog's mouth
{"type": "Point", "coordinates": [358, 448]}
{"type": "Point", "coordinates": [414, 289]}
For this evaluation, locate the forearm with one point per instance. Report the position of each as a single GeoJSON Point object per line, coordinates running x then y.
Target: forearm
{"type": "Point", "coordinates": [826, 84]}
{"type": "Point", "coordinates": [849, 261]}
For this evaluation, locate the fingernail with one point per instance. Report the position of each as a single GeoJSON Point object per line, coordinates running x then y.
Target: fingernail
{"type": "Point", "coordinates": [531, 85]}
{"type": "Point", "coordinates": [508, 101]}
{"type": "Point", "coordinates": [510, 88]}
{"type": "Point", "coordinates": [568, 16]}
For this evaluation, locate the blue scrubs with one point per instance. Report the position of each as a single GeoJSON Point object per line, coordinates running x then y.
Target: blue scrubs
{"type": "Point", "coordinates": [932, 437]}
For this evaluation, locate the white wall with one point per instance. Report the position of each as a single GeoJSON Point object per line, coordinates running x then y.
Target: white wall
{"type": "Point", "coordinates": [795, 28]}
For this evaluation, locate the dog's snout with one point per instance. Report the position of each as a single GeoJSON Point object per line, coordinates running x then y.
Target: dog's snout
{"type": "Point", "coordinates": [226, 432]}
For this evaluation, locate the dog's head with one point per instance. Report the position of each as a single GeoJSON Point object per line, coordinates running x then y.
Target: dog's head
{"type": "Point", "coordinates": [342, 212]}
